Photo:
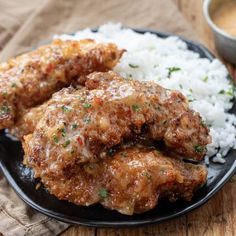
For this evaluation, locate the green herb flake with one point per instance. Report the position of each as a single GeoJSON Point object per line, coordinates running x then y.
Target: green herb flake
{"type": "Point", "coordinates": [221, 92]}
{"type": "Point", "coordinates": [103, 193]}
{"type": "Point", "coordinates": [133, 66]}
{"type": "Point", "coordinates": [230, 93]}
{"type": "Point", "coordinates": [91, 166]}
{"type": "Point", "coordinates": [181, 86]}
{"type": "Point", "coordinates": [190, 90]}
{"type": "Point", "coordinates": [198, 148]}
{"type": "Point", "coordinates": [205, 79]}
{"type": "Point", "coordinates": [172, 69]}
{"type": "Point", "coordinates": [229, 77]}
{"type": "Point", "coordinates": [87, 120]}
{"type": "Point", "coordinates": [110, 152]}
{"type": "Point", "coordinates": [123, 154]}
{"type": "Point", "coordinates": [65, 108]}
{"type": "Point", "coordinates": [4, 110]}
{"type": "Point", "coordinates": [55, 139]}
{"type": "Point", "coordinates": [74, 126]}
{"type": "Point", "coordinates": [66, 143]}
{"type": "Point", "coordinates": [4, 94]}
{"type": "Point", "coordinates": [147, 174]}
{"type": "Point", "coordinates": [63, 132]}
{"type": "Point", "coordinates": [136, 108]}
{"type": "Point", "coordinates": [14, 85]}
{"type": "Point", "coordinates": [87, 105]}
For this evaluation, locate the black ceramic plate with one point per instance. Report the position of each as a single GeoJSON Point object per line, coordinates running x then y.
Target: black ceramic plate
{"type": "Point", "coordinates": [22, 181]}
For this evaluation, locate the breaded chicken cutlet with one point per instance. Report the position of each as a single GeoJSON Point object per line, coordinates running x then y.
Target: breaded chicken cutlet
{"type": "Point", "coordinates": [82, 125]}
{"type": "Point", "coordinates": [130, 181]}
{"type": "Point", "coordinates": [30, 79]}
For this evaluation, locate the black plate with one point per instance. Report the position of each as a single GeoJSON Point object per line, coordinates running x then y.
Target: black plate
{"type": "Point", "coordinates": [21, 180]}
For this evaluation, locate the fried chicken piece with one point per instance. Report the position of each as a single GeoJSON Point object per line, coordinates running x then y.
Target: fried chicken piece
{"type": "Point", "coordinates": [137, 177]}
{"type": "Point", "coordinates": [30, 79]}
{"type": "Point", "coordinates": [131, 181]}
{"type": "Point", "coordinates": [82, 125]}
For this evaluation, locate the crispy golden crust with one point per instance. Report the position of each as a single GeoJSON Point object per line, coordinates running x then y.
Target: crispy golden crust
{"type": "Point", "coordinates": [82, 125]}
{"type": "Point", "coordinates": [30, 79]}
{"type": "Point", "coordinates": [130, 182]}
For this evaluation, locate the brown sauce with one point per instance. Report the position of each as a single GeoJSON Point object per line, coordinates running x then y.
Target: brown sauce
{"type": "Point", "coordinates": [225, 17]}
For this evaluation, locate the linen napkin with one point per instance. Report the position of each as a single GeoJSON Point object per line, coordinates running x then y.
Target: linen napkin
{"type": "Point", "coordinates": [37, 22]}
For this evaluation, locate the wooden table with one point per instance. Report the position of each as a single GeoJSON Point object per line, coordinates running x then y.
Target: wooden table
{"type": "Point", "coordinates": [218, 216]}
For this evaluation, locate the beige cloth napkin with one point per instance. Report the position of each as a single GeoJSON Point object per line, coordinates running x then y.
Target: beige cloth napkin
{"type": "Point", "coordinates": [37, 21]}
{"type": "Point", "coordinates": [12, 14]}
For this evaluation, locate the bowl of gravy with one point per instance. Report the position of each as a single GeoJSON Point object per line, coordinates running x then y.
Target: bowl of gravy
{"type": "Point", "coordinates": [221, 16]}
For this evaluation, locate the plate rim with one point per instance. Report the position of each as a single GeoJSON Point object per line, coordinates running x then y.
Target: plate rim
{"type": "Point", "coordinates": [132, 223]}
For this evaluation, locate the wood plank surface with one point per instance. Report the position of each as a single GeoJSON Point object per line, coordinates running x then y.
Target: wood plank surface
{"type": "Point", "coordinates": [215, 218]}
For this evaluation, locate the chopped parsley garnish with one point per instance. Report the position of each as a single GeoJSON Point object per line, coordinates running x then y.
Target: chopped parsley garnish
{"type": "Point", "coordinates": [91, 166]}
{"type": "Point", "coordinates": [147, 174]}
{"type": "Point", "coordinates": [4, 109]}
{"type": "Point", "coordinates": [123, 154]}
{"type": "Point", "coordinates": [65, 108]}
{"type": "Point", "coordinates": [55, 139]}
{"type": "Point", "coordinates": [14, 85]}
{"type": "Point", "coordinates": [87, 120]}
{"type": "Point", "coordinates": [181, 86]}
{"type": "Point", "coordinates": [87, 105]}
{"type": "Point", "coordinates": [190, 90]}
{"type": "Point", "coordinates": [190, 99]}
{"type": "Point", "coordinates": [133, 66]}
{"type": "Point", "coordinates": [198, 148]}
{"type": "Point", "coordinates": [229, 77]}
{"type": "Point", "coordinates": [103, 193]}
{"type": "Point", "coordinates": [66, 143]}
{"type": "Point", "coordinates": [221, 92]}
{"type": "Point", "coordinates": [74, 126]}
{"type": "Point", "coordinates": [136, 108]}
{"type": "Point", "coordinates": [205, 79]}
{"type": "Point", "coordinates": [63, 132]}
{"type": "Point", "coordinates": [230, 93]}
{"type": "Point", "coordinates": [110, 152]}
{"type": "Point", "coordinates": [172, 69]}
{"type": "Point", "coordinates": [4, 93]}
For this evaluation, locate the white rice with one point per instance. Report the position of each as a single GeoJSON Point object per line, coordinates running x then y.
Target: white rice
{"type": "Point", "coordinates": [205, 83]}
